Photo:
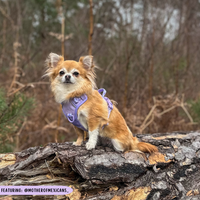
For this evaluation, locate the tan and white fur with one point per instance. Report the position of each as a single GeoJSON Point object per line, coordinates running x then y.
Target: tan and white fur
{"type": "Point", "coordinates": [72, 79]}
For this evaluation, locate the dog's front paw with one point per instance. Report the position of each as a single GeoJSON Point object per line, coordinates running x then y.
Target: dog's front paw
{"type": "Point", "coordinates": [77, 143]}
{"type": "Point", "coordinates": [90, 145]}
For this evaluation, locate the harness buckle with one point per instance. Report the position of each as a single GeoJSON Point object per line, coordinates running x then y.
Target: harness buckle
{"type": "Point", "coordinates": [70, 117]}
{"type": "Point", "coordinates": [76, 99]}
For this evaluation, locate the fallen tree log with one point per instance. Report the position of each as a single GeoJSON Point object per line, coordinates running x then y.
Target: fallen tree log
{"type": "Point", "coordinates": [103, 173]}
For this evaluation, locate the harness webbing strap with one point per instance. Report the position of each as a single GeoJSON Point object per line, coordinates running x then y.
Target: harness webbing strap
{"type": "Point", "coordinates": [109, 103]}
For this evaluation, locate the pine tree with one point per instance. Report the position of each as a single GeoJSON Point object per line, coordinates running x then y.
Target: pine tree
{"type": "Point", "coordinates": [12, 113]}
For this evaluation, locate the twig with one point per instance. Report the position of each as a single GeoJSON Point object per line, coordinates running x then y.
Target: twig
{"type": "Point", "coordinates": [60, 36]}
{"type": "Point", "coordinates": [167, 110]}
{"type": "Point", "coordinates": [11, 179]}
{"type": "Point", "coordinates": [5, 15]}
{"type": "Point", "coordinates": [18, 134]}
{"type": "Point", "coordinates": [187, 113]}
{"type": "Point", "coordinates": [58, 123]}
{"type": "Point", "coordinates": [107, 69]}
{"type": "Point", "coordinates": [5, 197]}
{"type": "Point", "coordinates": [150, 113]}
{"type": "Point", "coordinates": [49, 169]}
{"type": "Point", "coordinates": [20, 84]}
{"type": "Point", "coordinates": [144, 127]}
{"type": "Point", "coordinates": [58, 158]}
{"type": "Point", "coordinates": [27, 85]}
{"type": "Point", "coordinates": [53, 126]}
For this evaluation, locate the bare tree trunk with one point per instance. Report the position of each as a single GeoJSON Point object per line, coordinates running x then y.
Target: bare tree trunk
{"type": "Point", "coordinates": [128, 58]}
{"type": "Point", "coordinates": [4, 42]}
{"type": "Point", "coordinates": [144, 32]}
{"type": "Point", "coordinates": [91, 28]}
{"type": "Point", "coordinates": [16, 45]}
{"type": "Point", "coordinates": [152, 62]}
{"type": "Point", "coordinates": [63, 35]}
{"type": "Point", "coordinates": [61, 12]}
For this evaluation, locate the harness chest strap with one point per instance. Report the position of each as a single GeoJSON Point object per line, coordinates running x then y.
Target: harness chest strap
{"type": "Point", "coordinates": [70, 108]}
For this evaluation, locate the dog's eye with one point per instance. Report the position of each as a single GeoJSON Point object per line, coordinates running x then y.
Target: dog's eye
{"type": "Point", "coordinates": [75, 73]}
{"type": "Point", "coordinates": [61, 73]}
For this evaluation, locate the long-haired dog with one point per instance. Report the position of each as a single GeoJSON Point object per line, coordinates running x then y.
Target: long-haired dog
{"type": "Point", "coordinates": [73, 85]}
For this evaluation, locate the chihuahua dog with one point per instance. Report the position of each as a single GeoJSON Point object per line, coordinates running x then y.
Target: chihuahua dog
{"type": "Point", "coordinates": [74, 82]}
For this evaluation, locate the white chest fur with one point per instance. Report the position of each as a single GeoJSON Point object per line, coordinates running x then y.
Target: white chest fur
{"type": "Point", "coordinates": [82, 117]}
{"type": "Point", "coordinates": [61, 91]}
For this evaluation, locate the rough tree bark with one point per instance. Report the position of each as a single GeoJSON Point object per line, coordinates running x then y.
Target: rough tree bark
{"type": "Point", "coordinates": [103, 173]}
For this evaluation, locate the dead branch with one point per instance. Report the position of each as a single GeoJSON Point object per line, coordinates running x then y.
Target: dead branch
{"type": "Point", "coordinates": [7, 16]}
{"type": "Point", "coordinates": [167, 104]}
{"type": "Point", "coordinates": [60, 36]}
{"type": "Point", "coordinates": [22, 86]}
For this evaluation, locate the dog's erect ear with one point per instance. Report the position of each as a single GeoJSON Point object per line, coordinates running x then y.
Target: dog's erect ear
{"type": "Point", "coordinates": [53, 60]}
{"type": "Point", "coordinates": [87, 62]}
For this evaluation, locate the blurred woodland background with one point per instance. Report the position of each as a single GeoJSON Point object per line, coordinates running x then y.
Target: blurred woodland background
{"type": "Point", "coordinates": [147, 52]}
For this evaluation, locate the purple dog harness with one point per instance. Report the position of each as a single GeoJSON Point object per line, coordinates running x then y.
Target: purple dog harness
{"type": "Point", "coordinates": [70, 108]}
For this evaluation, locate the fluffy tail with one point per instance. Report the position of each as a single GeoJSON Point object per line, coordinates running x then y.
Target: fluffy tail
{"type": "Point", "coordinates": [146, 147]}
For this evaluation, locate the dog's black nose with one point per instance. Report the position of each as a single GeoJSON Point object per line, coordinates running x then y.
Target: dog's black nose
{"type": "Point", "coordinates": [67, 77]}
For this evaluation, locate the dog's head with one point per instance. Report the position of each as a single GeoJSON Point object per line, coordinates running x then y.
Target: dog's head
{"type": "Point", "coordinates": [70, 76]}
